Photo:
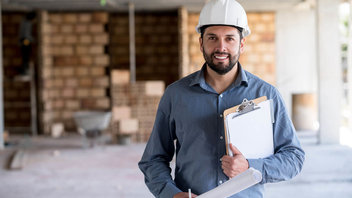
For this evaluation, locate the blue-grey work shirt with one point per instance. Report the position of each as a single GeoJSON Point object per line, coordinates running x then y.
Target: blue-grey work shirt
{"type": "Point", "coordinates": [190, 112]}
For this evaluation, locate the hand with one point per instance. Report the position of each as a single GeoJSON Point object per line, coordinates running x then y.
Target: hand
{"type": "Point", "coordinates": [235, 165]}
{"type": "Point", "coordinates": [183, 195]}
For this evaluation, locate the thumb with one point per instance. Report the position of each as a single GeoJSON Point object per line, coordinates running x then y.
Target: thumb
{"type": "Point", "coordinates": [234, 150]}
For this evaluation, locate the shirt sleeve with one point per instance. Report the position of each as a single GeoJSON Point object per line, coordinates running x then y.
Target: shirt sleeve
{"type": "Point", "coordinates": [288, 157]}
{"type": "Point", "coordinates": [155, 162]}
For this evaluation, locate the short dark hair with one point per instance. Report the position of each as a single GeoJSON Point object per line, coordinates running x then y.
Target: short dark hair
{"type": "Point", "coordinates": [202, 29]}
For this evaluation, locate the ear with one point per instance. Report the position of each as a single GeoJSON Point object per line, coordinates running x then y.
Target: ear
{"type": "Point", "coordinates": [242, 45]}
{"type": "Point", "coordinates": [201, 44]}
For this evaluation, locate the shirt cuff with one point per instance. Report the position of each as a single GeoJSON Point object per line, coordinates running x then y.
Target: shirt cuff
{"type": "Point", "coordinates": [258, 165]}
{"type": "Point", "coordinates": [169, 191]}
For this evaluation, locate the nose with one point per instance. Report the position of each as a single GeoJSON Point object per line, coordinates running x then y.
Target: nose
{"type": "Point", "coordinates": [221, 46]}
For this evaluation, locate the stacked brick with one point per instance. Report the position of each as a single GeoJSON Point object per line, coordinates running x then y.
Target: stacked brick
{"type": "Point", "coordinates": [134, 102]}
{"type": "Point", "coordinates": [17, 106]}
{"type": "Point", "coordinates": [73, 66]}
{"type": "Point", "coordinates": [259, 55]}
{"type": "Point", "coordinates": [156, 36]}
{"type": "Point", "coordinates": [195, 55]}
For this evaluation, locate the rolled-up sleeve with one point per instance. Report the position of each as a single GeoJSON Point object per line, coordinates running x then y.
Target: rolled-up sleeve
{"type": "Point", "coordinates": [155, 162]}
{"type": "Point", "coordinates": [288, 157]}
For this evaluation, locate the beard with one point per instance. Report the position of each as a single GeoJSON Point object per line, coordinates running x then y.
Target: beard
{"type": "Point", "coordinates": [221, 68]}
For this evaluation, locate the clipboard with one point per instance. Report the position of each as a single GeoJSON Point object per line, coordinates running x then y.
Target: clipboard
{"type": "Point", "coordinates": [248, 126]}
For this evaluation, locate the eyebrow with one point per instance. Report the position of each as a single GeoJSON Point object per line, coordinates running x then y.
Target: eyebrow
{"type": "Point", "coordinates": [212, 34]}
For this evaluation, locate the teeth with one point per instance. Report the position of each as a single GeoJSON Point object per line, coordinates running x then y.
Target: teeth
{"type": "Point", "coordinates": [221, 57]}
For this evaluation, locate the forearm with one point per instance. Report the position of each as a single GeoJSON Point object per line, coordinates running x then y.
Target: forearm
{"type": "Point", "coordinates": [158, 178]}
{"type": "Point", "coordinates": [155, 162]}
{"type": "Point", "coordinates": [283, 165]}
{"type": "Point", "coordinates": [288, 158]}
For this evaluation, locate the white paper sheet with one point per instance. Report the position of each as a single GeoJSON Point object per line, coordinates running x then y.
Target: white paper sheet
{"type": "Point", "coordinates": [252, 132]}
{"type": "Point", "coordinates": [242, 181]}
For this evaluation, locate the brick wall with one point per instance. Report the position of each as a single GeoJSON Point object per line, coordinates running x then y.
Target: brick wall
{"type": "Point", "coordinates": [73, 68]}
{"type": "Point", "coordinates": [135, 104]}
{"type": "Point", "coordinates": [259, 55]}
{"type": "Point", "coordinates": [156, 45]}
{"type": "Point", "coordinates": [77, 48]}
{"type": "Point", "coordinates": [196, 59]}
{"type": "Point", "coordinates": [16, 92]}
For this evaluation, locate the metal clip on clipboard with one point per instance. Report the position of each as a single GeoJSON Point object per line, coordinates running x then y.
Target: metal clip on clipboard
{"type": "Point", "coordinates": [245, 107]}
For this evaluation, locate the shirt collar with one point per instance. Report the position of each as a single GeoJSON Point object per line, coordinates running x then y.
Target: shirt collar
{"type": "Point", "coordinates": [199, 77]}
{"type": "Point", "coordinates": [241, 77]}
{"type": "Point", "coordinates": [240, 80]}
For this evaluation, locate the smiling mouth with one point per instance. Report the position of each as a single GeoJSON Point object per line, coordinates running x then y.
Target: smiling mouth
{"type": "Point", "coordinates": [221, 57]}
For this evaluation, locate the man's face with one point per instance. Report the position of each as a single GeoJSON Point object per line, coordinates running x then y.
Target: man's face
{"type": "Point", "coordinates": [221, 47]}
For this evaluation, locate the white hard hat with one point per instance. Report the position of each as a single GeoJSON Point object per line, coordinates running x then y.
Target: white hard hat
{"type": "Point", "coordinates": [224, 12]}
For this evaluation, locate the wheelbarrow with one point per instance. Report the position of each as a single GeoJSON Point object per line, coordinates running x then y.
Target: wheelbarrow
{"type": "Point", "coordinates": [90, 124]}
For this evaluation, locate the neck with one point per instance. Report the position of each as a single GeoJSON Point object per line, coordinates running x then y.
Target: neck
{"type": "Point", "coordinates": [220, 82]}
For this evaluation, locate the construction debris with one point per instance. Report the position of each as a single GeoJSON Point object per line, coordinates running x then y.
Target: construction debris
{"type": "Point", "coordinates": [6, 137]}
{"type": "Point", "coordinates": [18, 160]}
{"type": "Point", "coordinates": [57, 130]}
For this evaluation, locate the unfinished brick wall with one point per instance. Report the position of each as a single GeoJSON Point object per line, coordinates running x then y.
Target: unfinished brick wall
{"type": "Point", "coordinates": [259, 55]}
{"type": "Point", "coordinates": [73, 73]}
{"type": "Point", "coordinates": [17, 106]}
{"type": "Point", "coordinates": [156, 45]}
{"type": "Point", "coordinates": [196, 59]}
{"type": "Point", "coordinates": [134, 105]}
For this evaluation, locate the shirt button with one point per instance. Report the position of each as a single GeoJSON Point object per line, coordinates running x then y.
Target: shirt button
{"type": "Point", "coordinates": [220, 95]}
{"type": "Point", "coordinates": [220, 182]}
{"type": "Point", "coordinates": [221, 137]}
{"type": "Point", "coordinates": [220, 115]}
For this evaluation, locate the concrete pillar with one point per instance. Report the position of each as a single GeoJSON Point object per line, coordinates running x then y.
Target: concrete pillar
{"type": "Point", "coordinates": [349, 69]}
{"type": "Point", "coordinates": [183, 42]}
{"type": "Point", "coordinates": [1, 90]}
{"type": "Point", "coordinates": [296, 70]}
{"type": "Point", "coordinates": [329, 71]}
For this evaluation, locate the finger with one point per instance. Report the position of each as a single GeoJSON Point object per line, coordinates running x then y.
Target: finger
{"type": "Point", "coordinates": [234, 150]}
{"type": "Point", "coordinates": [225, 163]}
{"type": "Point", "coordinates": [225, 172]}
{"type": "Point", "coordinates": [228, 173]}
{"type": "Point", "coordinates": [229, 167]}
{"type": "Point", "coordinates": [225, 166]}
{"type": "Point", "coordinates": [225, 158]}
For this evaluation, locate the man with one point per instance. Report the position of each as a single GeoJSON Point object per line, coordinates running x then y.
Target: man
{"type": "Point", "coordinates": [190, 115]}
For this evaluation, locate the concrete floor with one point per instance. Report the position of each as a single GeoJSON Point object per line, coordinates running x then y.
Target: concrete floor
{"type": "Point", "coordinates": [63, 168]}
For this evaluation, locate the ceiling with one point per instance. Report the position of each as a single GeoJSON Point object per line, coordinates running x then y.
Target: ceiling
{"type": "Point", "coordinates": [112, 5]}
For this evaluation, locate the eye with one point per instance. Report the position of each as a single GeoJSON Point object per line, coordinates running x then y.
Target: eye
{"type": "Point", "coordinates": [212, 38]}
{"type": "Point", "coordinates": [230, 39]}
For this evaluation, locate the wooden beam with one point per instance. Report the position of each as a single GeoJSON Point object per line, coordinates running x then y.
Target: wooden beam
{"type": "Point", "coordinates": [1, 90]}
{"type": "Point", "coordinates": [132, 43]}
{"type": "Point", "coordinates": [183, 68]}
